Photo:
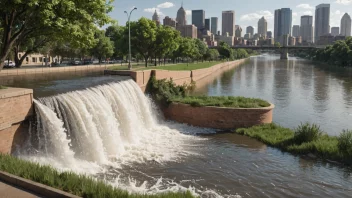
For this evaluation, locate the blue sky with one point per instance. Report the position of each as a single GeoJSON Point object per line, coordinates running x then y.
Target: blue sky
{"type": "Point", "coordinates": [247, 12]}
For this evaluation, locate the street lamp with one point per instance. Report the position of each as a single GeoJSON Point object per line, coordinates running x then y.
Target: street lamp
{"type": "Point", "coordinates": [129, 37]}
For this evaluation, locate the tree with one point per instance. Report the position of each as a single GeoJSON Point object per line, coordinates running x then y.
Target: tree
{"type": "Point", "coordinates": [225, 50]}
{"type": "Point", "coordinates": [72, 21]}
{"type": "Point", "coordinates": [188, 48]}
{"type": "Point", "coordinates": [116, 33]}
{"type": "Point", "coordinates": [212, 54]}
{"type": "Point", "coordinates": [277, 44]}
{"type": "Point", "coordinates": [201, 49]}
{"type": "Point", "coordinates": [104, 47]}
{"type": "Point", "coordinates": [167, 41]}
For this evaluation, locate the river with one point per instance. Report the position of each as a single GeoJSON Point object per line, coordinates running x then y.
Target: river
{"type": "Point", "coordinates": [172, 157]}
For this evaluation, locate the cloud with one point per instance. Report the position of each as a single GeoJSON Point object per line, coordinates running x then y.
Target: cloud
{"type": "Point", "coordinates": [305, 6]}
{"type": "Point", "coordinates": [188, 12]}
{"type": "Point", "coordinates": [166, 5]}
{"type": "Point", "coordinates": [308, 13]}
{"type": "Point", "coordinates": [344, 2]}
{"type": "Point", "coordinates": [294, 14]}
{"type": "Point", "coordinates": [256, 16]}
{"type": "Point", "coordinates": [152, 10]}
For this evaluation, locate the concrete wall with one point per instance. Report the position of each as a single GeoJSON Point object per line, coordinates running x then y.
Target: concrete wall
{"type": "Point", "coordinates": [218, 117]}
{"type": "Point", "coordinates": [45, 70]}
{"type": "Point", "coordinates": [15, 107]}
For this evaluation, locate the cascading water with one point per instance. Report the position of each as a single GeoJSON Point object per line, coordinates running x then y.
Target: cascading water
{"type": "Point", "coordinates": [106, 126]}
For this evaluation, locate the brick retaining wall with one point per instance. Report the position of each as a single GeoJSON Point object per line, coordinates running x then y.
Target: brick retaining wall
{"type": "Point", "coordinates": [218, 117]}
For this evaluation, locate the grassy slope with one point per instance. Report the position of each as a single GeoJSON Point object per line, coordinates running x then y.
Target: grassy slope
{"type": "Point", "coordinates": [183, 66]}
{"type": "Point", "coordinates": [274, 135]}
{"type": "Point", "coordinates": [79, 185]}
{"type": "Point", "coordinates": [222, 101]}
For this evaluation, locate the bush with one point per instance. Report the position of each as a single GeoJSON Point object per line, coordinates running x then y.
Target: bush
{"type": "Point", "coordinates": [3, 87]}
{"type": "Point", "coordinates": [345, 143]}
{"type": "Point", "coordinates": [307, 133]}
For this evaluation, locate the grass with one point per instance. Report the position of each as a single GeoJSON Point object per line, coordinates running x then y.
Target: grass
{"type": "Point", "coordinates": [3, 87]}
{"type": "Point", "coordinates": [183, 66]}
{"type": "Point", "coordinates": [222, 101]}
{"type": "Point", "coordinates": [79, 185]}
{"type": "Point", "coordinates": [125, 67]}
{"type": "Point", "coordinates": [316, 142]}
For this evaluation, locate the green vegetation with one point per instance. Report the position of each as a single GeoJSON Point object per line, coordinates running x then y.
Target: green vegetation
{"type": "Point", "coordinates": [125, 67]}
{"type": "Point", "coordinates": [221, 101]}
{"type": "Point", "coordinates": [79, 185]}
{"type": "Point", "coordinates": [339, 54]}
{"type": "Point", "coordinates": [166, 91]}
{"type": "Point", "coordinates": [306, 139]}
{"type": "Point", "coordinates": [185, 66]}
{"type": "Point", "coordinates": [227, 52]}
{"type": "Point", "coordinates": [3, 87]}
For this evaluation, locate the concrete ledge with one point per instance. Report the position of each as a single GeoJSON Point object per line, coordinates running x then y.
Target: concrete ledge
{"type": "Point", "coordinates": [224, 118]}
{"type": "Point", "coordinates": [13, 92]}
{"type": "Point", "coordinates": [34, 187]}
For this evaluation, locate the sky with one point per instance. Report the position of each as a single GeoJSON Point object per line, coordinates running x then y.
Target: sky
{"type": "Point", "coordinates": [247, 12]}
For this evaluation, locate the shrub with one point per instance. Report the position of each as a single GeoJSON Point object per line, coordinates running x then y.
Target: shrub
{"type": "Point", "coordinates": [3, 87]}
{"type": "Point", "coordinates": [345, 142]}
{"type": "Point", "coordinates": [307, 133]}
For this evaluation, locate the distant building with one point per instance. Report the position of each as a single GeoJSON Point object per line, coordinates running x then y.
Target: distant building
{"type": "Point", "coordinates": [169, 22]}
{"type": "Point", "coordinates": [38, 59]}
{"type": "Point", "coordinates": [198, 19]}
{"type": "Point", "coordinates": [207, 24]}
{"type": "Point", "coordinates": [156, 18]}
{"type": "Point", "coordinates": [322, 20]}
{"type": "Point", "coordinates": [247, 36]}
{"type": "Point", "coordinates": [262, 27]}
{"type": "Point", "coordinates": [346, 25]}
{"type": "Point", "coordinates": [181, 17]}
{"type": "Point", "coordinates": [238, 31]}
{"type": "Point", "coordinates": [250, 30]}
{"type": "Point", "coordinates": [226, 38]}
{"type": "Point", "coordinates": [296, 31]}
{"type": "Point", "coordinates": [214, 25]}
{"type": "Point", "coordinates": [335, 31]}
{"type": "Point", "coordinates": [307, 29]}
{"type": "Point", "coordinates": [326, 39]}
{"type": "Point", "coordinates": [269, 34]}
{"type": "Point", "coordinates": [292, 41]}
{"type": "Point", "coordinates": [299, 40]}
{"type": "Point", "coordinates": [282, 24]}
{"type": "Point", "coordinates": [228, 23]}
{"type": "Point", "coordinates": [190, 31]}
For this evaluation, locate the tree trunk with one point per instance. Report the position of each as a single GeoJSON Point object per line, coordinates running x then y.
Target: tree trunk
{"type": "Point", "coordinates": [146, 61]}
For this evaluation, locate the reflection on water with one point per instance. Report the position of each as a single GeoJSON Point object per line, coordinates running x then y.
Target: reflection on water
{"type": "Point", "coordinates": [300, 90]}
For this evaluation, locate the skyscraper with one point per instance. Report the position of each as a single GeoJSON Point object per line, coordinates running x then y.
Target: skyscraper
{"type": "Point", "coordinates": [156, 18]}
{"type": "Point", "coordinates": [214, 25]}
{"type": "Point", "coordinates": [181, 17]}
{"type": "Point", "coordinates": [346, 25]}
{"type": "Point", "coordinates": [169, 22]}
{"type": "Point", "coordinates": [282, 23]}
{"type": "Point", "coordinates": [335, 31]}
{"type": "Point", "coordinates": [198, 19]}
{"type": "Point", "coordinates": [322, 20]}
{"type": "Point", "coordinates": [250, 30]}
{"type": "Point", "coordinates": [296, 31]}
{"type": "Point", "coordinates": [262, 27]}
{"type": "Point", "coordinates": [307, 29]}
{"type": "Point", "coordinates": [228, 22]}
{"type": "Point", "coordinates": [207, 24]}
{"type": "Point", "coordinates": [238, 31]}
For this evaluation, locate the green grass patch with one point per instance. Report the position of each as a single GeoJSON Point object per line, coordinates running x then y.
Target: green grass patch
{"type": "Point", "coordinates": [221, 101]}
{"type": "Point", "coordinates": [3, 87]}
{"type": "Point", "coordinates": [306, 139]}
{"type": "Point", "coordinates": [184, 66]}
{"type": "Point", "coordinates": [79, 185]}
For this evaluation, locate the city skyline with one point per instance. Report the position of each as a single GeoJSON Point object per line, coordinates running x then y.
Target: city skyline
{"type": "Point", "coordinates": [244, 15]}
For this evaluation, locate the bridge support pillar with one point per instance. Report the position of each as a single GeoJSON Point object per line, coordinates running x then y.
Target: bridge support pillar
{"type": "Point", "coordinates": [284, 54]}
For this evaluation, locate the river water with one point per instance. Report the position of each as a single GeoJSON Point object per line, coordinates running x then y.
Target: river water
{"type": "Point", "coordinates": [155, 156]}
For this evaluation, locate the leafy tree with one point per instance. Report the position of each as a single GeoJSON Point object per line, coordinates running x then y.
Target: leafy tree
{"type": "Point", "coordinates": [116, 33]}
{"type": "Point", "coordinates": [72, 21]}
{"type": "Point", "coordinates": [225, 50]}
{"type": "Point", "coordinates": [104, 47]}
{"type": "Point", "coordinates": [277, 44]}
{"type": "Point", "coordinates": [188, 48]}
{"type": "Point", "coordinates": [167, 41]}
{"type": "Point", "coordinates": [201, 49]}
{"type": "Point", "coordinates": [211, 55]}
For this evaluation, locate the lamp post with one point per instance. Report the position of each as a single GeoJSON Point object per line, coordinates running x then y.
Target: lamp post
{"type": "Point", "coordinates": [129, 38]}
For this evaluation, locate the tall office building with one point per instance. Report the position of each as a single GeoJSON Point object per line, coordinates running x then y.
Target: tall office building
{"type": "Point", "coordinates": [296, 31]}
{"type": "Point", "coordinates": [269, 34]}
{"type": "Point", "coordinates": [198, 19]}
{"type": "Point", "coordinates": [282, 23]}
{"type": "Point", "coordinates": [262, 27]}
{"type": "Point", "coordinates": [214, 25]}
{"type": "Point", "coordinates": [169, 22]}
{"type": "Point", "coordinates": [228, 23]}
{"type": "Point", "coordinates": [156, 18]}
{"type": "Point", "coordinates": [250, 30]}
{"type": "Point", "coordinates": [238, 31]}
{"type": "Point", "coordinates": [188, 31]}
{"type": "Point", "coordinates": [181, 17]}
{"type": "Point", "coordinates": [207, 24]}
{"type": "Point", "coordinates": [335, 31]}
{"type": "Point", "coordinates": [322, 20]}
{"type": "Point", "coordinates": [346, 25]}
{"type": "Point", "coordinates": [307, 29]}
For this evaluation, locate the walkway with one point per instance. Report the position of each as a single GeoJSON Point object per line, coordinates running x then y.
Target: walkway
{"type": "Point", "coordinates": [8, 191]}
